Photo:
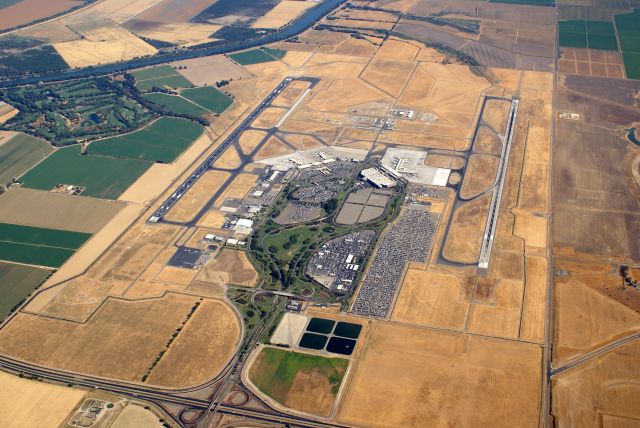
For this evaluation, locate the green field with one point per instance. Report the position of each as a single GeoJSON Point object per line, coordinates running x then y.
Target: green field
{"type": "Point", "coordinates": [628, 26]}
{"type": "Point", "coordinates": [587, 34]}
{"type": "Point", "coordinates": [162, 141]}
{"type": "Point", "coordinates": [16, 283]}
{"type": "Point", "coordinates": [527, 2]}
{"type": "Point", "coordinates": [176, 104]}
{"type": "Point", "coordinates": [275, 371]}
{"type": "Point", "coordinates": [6, 3]}
{"type": "Point", "coordinates": [102, 177]}
{"type": "Point", "coordinates": [209, 98]}
{"type": "Point", "coordinates": [256, 56]}
{"type": "Point", "coordinates": [162, 77]}
{"type": "Point", "coordinates": [19, 154]}
{"type": "Point", "coordinates": [38, 246]}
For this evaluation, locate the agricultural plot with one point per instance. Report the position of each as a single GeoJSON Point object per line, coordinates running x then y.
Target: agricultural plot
{"type": "Point", "coordinates": [19, 12]}
{"type": "Point", "coordinates": [176, 104]}
{"type": "Point", "coordinates": [208, 97]}
{"type": "Point", "coordinates": [587, 34]}
{"type": "Point", "coordinates": [99, 176]}
{"type": "Point", "coordinates": [77, 110]}
{"type": "Point", "coordinates": [162, 141]}
{"type": "Point", "coordinates": [257, 56]}
{"type": "Point", "coordinates": [16, 282]}
{"type": "Point", "coordinates": [629, 35]}
{"type": "Point", "coordinates": [550, 3]}
{"type": "Point", "coordinates": [19, 154]}
{"type": "Point", "coordinates": [160, 77]}
{"type": "Point", "coordinates": [303, 382]}
{"type": "Point", "coordinates": [38, 246]}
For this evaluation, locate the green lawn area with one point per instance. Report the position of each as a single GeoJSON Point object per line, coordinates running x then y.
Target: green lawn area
{"type": "Point", "coordinates": [164, 140]}
{"type": "Point", "coordinates": [256, 56]}
{"type": "Point", "coordinates": [37, 245]}
{"type": "Point", "coordinates": [628, 26]}
{"type": "Point", "coordinates": [102, 177]}
{"type": "Point", "coordinates": [176, 104]}
{"type": "Point", "coordinates": [209, 98]}
{"type": "Point", "coordinates": [16, 283]}
{"type": "Point", "coordinates": [588, 34]}
{"type": "Point", "coordinates": [162, 77]}
{"type": "Point", "coordinates": [19, 154]}
{"type": "Point", "coordinates": [275, 371]}
{"type": "Point", "coordinates": [526, 2]}
{"type": "Point", "coordinates": [289, 241]}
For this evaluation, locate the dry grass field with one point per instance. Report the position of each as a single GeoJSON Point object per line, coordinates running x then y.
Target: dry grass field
{"type": "Point", "coordinates": [272, 148]}
{"type": "Point", "coordinates": [210, 69]}
{"type": "Point", "coordinates": [182, 34]}
{"type": "Point", "coordinates": [102, 43]}
{"type": "Point", "coordinates": [136, 417]}
{"type": "Point", "coordinates": [119, 11]}
{"type": "Point", "coordinates": [602, 391]}
{"type": "Point", "coordinates": [213, 334]}
{"type": "Point", "coordinates": [414, 377]}
{"type": "Point", "coordinates": [479, 175]}
{"type": "Point", "coordinates": [229, 159]}
{"type": "Point", "coordinates": [268, 118]}
{"type": "Point", "coordinates": [250, 139]}
{"type": "Point", "coordinates": [238, 188]}
{"type": "Point", "coordinates": [28, 403]}
{"type": "Point", "coordinates": [34, 207]}
{"type": "Point", "coordinates": [230, 267]}
{"type": "Point", "coordinates": [196, 198]}
{"type": "Point", "coordinates": [282, 14]}
{"type": "Point", "coordinates": [466, 232]}
{"type": "Point", "coordinates": [121, 339]}
{"type": "Point", "coordinates": [388, 75]}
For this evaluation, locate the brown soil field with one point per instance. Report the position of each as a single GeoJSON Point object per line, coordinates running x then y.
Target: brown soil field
{"type": "Point", "coordinates": [495, 114]}
{"type": "Point", "coordinates": [601, 392]}
{"type": "Point", "coordinates": [28, 403]}
{"type": "Point", "coordinates": [196, 198]}
{"type": "Point", "coordinates": [343, 94]}
{"type": "Point", "coordinates": [268, 118]}
{"type": "Point", "coordinates": [134, 416]}
{"type": "Point", "coordinates": [120, 341]}
{"type": "Point", "coordinates": [479, 175]}
{"type": "Point", "coordinates": [27, 11]}
{"type": "Point", "coordinates": [366, 15]}
{"type": "Point", "coordinates": [212, 334]}
{"type": "Point", "coordinates": [388, 75]}
{"type": "Point", "coordinates": [398, 50]}
{"type": "Point", "coordinates": [238, 188]}
{"type": "Point", "coordinates": [535, 299]}
{"type": "Point", "coordinates": [487, 142]}
{"type": "Point", "coordinates": [174, 11]}
{"type": "Point", "coordinates": [290, 94]}
{"type": "Point", "coordinates": [466, 231]}
{"type": "Point", "coordinates": [230, 267]}
{"type": "Point", "coordinates": [102, 43]}
{"type": "Point", "coordinates": [229, 159]}
{"type": "Point", "coordinates": [34, 207]}
{"type": "Point", "coordinates": [118, 11]}
{"type": "Point", "coordinates": [210, 69]}
{"type": "Point", "coordinates": [591, 62]}
{"type": "Point", "coordinates": [354, 23]}
{"type": "Point", "coordinates": [336, 69]}
{"type": "Point", "coordinates": [431, 298]}
{"type": "Point", "coordinates": [182, 34]}
{"type": "Point", "coordinates": [282, 14]}
{"type": "Point", "coordinates": [272, 148]}
{"type": "Point", "coordinates": [296, 59]}
{"type": "Point", "coordinates": [415, 377]}
{"type": "Point", "coordinates": [213, 219]}
{"type": "Point", "coordinates": [250, 139]}
{"type": "Point", "coordinates": [532, 228]}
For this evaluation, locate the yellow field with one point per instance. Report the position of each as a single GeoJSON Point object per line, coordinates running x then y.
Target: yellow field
{"type": "Point", "coordinates": [101, 44]}
{"type": "Point", "coordinates": [284, 12]}
{"type": "Point", "coordinates": [479, 175]}
{"type": "Point", "coordinates": [136, 417]}
{"type": "Point", "coordinates": [414, 377]}
{"type": "Point", "coordinates": [250, 139]}
{"type": "Point", "coordinates": [230, 267]}
{"type": "Point", "coordinates": [467, 230]}
{"type": "Point", "coordinates": [212, 333]}
{"type": "Point", "coordinates": [238, 188]}
{"type": "Point", "coordinates": [182, 34]}
{"type": "Point", "coordinates": [201, 192]}
{"type": "Point", "coordinates": [228, 160]}
{"type": "Point", "coordinates": [272, 148]}
{"type": "Point", "coordinates": [27, 403]}
{"type": "Point", "coordinates": [388, 75]}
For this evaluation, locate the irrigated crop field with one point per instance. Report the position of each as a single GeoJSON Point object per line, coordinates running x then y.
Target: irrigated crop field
{"type": "Point", "coordinates": [100, 176]}
{"type": "Point", "coordinates": [162, 141]}
{"type": "Point", "coordinates": [303, 382]}
{"type": "Point", "coordinates": [161, 77]}
{"type": "Point", "coordinates": [16, 282]}
{"type": "Point", "coordinates": [18, 154]}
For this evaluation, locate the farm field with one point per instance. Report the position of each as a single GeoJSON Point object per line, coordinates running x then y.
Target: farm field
{"type": "Point", "coordinates": [20, 153]}
{"type": "Point", "coordinates": [163, 76]}
{"type": "Point", "coordinates": [629, 35]}
{"type": "Point", "coordinates": [162, 141]}
{"type": "Point", "coordinates": [100, 176]}
{"type": "Point", "coordinates": [26, 403]}
{"type": "Point", "coordinates": [527, 2]}
{"type": "Point", "coordinates": [208, 97]}
{"type": "Point", "coordinates": [38, 246]}
{"type": "Point", "coordinates": [16, 282]}
{"type": "Point", "coordinates": [210, 70]}
{"type": "Point", "coordinates": [257, 56]}
{"type": "Point", "coordinates": [282, 14]}
{"type": "Point", "coordinates": [21, 12]}
{"type": "Point", "coordinates": [176, 104]}
{"type": "Point", "coordinates": [588, 34]}
{"type": "Point", "coordinates": [230, 267]}
{"type": "Point", "coordinates": [303, 382]}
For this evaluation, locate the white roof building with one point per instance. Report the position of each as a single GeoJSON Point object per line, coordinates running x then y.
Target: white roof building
{"type": "Point", "coordinates": [377, 178]}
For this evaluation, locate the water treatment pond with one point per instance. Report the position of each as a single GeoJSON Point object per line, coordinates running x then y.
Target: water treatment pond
{"type": "Point", "coordinates": [347, 329]}
{"type": "Point", "coordinates": [320, 325]}
{"type": "Point", "coordinates": [313, 341]}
